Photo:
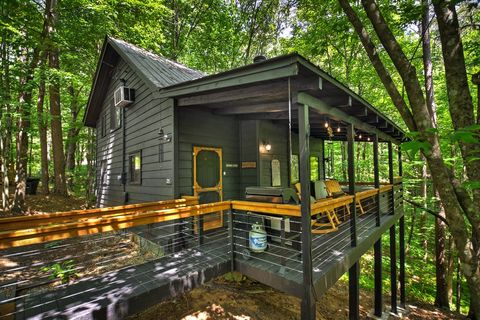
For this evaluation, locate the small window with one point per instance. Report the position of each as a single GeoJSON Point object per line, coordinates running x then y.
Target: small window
{"type": "Point", "coordinates": [294, 169]}
{"type": "Point", "coordinates": [116, 117]}
{"type": "Point", "coordinates": [104, 125]}
{"type": "Point", "coordinates": [103, 173]}
{"type": "Point", "coordinates": [135, 168]}
{"type": "Point", "coordinates": [314, 169]}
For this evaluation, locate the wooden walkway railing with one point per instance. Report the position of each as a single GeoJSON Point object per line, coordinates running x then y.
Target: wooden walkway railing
{"type": "Point", "coordinates": [27, 230]}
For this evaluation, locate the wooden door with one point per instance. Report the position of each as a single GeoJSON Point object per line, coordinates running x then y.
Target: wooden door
{"type": "Point", "coordinates": [208, 182]}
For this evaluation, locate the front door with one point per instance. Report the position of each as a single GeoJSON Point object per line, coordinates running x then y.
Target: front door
{"type": "Point", "coordinates": [207, 182]}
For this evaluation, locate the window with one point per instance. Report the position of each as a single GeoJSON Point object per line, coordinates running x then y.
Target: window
{"type": "Point", "coordinates": [116, 117]}
{"type": "Point", "coordinates": [314, 169]}
{"type": "Point", "coordinates": [104, 125]}
{"type": "Point", "coordinates": [294, 169]}
{"type": "Point", "coordinates": [103, 173]}
{"type": "Point", "coordinates": [135, 168]}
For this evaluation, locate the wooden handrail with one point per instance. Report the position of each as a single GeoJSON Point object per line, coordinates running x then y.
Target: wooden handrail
{"type": "Point", "coordinates": [28, 236]}
{"type": "Point", "coordinates": [26, 230]}
{"type": "Point", "coordinates": [39, 220]}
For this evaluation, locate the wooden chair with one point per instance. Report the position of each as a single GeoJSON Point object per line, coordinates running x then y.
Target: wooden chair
{"type": "Point", "coordinates": [323, 207]}
{"type": "Point", "coordinates": [327, 208]}
{"type": "Point", "coordinates": [334, 189]}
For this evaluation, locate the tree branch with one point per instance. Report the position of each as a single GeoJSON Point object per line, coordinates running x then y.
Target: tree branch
{"type": "Point", "coordinates": [404, 67]}
{"type": "Point", "coordinates": [379, 66]}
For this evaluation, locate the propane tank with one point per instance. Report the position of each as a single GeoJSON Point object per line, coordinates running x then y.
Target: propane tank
{"type": "Point", "coordinates": [258, 238]}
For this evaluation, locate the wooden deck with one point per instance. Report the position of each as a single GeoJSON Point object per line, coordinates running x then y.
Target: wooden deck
{"type": "Point", "coordinates": [200, 258]}
{"type": "Point", "coordinates": [130, 290]}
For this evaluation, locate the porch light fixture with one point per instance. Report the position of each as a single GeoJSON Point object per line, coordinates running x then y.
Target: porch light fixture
{"type": "Point", "coordinates": [265, 147]}
{"type": "Point", "coordinates": [368, 139]}
{"type": "Point", "coordinates": [164, 137]}
{"type": "Point", "coordinates": [338, 129]}
{"type": "Point", "coordinates": [359, 136]}
{"type": "Point", "coordinates": [326, 124]}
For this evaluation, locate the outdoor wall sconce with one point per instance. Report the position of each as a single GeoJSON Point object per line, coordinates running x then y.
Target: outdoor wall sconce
{"type": "Point", "coordinates": [265, 147]}
{"type": "Point", "coordinates": [164, 137]}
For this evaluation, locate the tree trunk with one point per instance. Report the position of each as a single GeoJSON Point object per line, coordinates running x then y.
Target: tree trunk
{"type": "Point", "coordinates": [23, 125]}
{"type": "Point", "coordinates": [55, 112]}
{"type": "Point", "coordinates": [460, 209]}
{"type": "Point", "coordinates": [441, 263]}
{"type": "Point", "coordinates": [72, 136]}
{"type": "Point", "coordinates": [42, 131]}
{"type": "Point", "coordinates": [6, 125]}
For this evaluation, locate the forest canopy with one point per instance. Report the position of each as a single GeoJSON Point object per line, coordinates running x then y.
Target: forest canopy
{"type": "Point", "coordinates": [416, 61]}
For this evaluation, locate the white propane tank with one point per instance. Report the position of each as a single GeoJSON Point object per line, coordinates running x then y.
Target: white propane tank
{"type": "Point", "coordinates": [257, 238]}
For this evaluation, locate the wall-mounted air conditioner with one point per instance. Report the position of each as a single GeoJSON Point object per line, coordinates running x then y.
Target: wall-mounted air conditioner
{"type": "Point", "coordinates": [124, 96]}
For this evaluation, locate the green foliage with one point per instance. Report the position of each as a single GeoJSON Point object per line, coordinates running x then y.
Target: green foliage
{"type": "Point", "coordinates": [234, 277]}
{"type": "Point", "coordinates": [64, 271]}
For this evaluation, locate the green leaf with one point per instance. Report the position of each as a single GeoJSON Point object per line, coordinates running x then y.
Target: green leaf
{"type": "Point", "coordinates": [472, 185]}
{"type": "Point", "coordinates": [464, 136]}
{"type": "Point", "coordinates": [413, 147]}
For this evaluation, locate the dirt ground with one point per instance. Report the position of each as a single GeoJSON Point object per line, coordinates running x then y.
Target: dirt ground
{"type": "Point", "coordinates": [249, 300]}
{"type": "Point", "coordinates": [243, 299]}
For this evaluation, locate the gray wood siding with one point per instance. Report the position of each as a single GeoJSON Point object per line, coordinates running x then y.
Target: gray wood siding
{"type": "Point", "coordinates": [143, 121]}
{"type": "Point", "coordinates": [202, 128]}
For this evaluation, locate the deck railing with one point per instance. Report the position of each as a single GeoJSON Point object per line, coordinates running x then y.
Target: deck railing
{"type": "Point", "coordinates": [100, 240]}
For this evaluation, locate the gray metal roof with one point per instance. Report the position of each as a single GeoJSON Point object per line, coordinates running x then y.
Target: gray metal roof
{"type": "Point", "coordinates": [157, 71]}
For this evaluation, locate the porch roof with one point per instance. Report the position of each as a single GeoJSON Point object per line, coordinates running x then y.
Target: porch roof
{"type": "Point", "coordinates": [263, 90]}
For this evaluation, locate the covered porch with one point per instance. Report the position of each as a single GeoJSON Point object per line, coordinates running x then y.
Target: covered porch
{"type": "Point", "coordinates": [285, 111]}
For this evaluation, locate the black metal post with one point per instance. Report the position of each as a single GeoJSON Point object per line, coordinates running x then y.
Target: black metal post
{"type": "Point", "coordinates": [232, 240]}
{"type": "Point", "coordinates": [393, 270]}
{"type": "Point", "coordinates": [401, 241]}
{"type": "Point", "coordinates": [324, 167]}
{"type": "Point", "coordinates": [308, 300]}
{"type": "Point", "coordinates": [376, 179]}
{"type": "Point", "coordinates": [200, 229]}
{"type": "Point", "coordinates": [390, 177]}
{"type": "Point", "coordinates": [378, 282]}
{"type": "Point", "coordinates": [401, 275]}
{"type": "Point", "coordinates": [354, 271]}
{"type": "Point", "coordinates": [377, 248]}
{"type": "Point", "coordinates": [351, 184]}
{"type": "Point", "coordinates": [354, 292]}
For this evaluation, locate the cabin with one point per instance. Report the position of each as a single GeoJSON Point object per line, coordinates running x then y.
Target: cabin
{"type": "Point", "coordinates": [228, 172]}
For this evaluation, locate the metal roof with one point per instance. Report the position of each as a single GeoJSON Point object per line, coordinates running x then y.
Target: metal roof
{"type": "Point", "coordinates": [157, 71]}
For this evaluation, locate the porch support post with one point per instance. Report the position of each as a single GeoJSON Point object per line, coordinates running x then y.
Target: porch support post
{"type": "Point", "coordinates": [390, 177]}
{"type": "Point", "coordinates": [377, 248]}
{"type": "Point", "coordinates": [393, 242]}
{"type": "Point", "coordinates": [351, 184]}
{"type": "Point", "coordinates": [308, 300]}
{"type": "Point", "coordinates": [393, 270]}
{"type": "Point", "coordinates": [401, 239]}
{"type": "Point", "coordinates": [376, 179]}
{"type": "Point", "coordinates": [354, 271]}
{"type": "Point", "coordinates": [324, 167]}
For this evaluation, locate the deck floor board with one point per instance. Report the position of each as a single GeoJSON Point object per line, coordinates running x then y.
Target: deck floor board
{"type": "Point", "coordinates": [116, 294]}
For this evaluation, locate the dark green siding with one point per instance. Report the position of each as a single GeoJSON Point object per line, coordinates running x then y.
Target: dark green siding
{"type": "Point", "coordinates": [202, 128]}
